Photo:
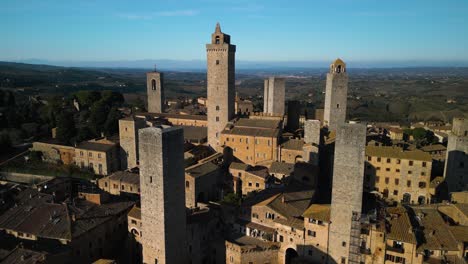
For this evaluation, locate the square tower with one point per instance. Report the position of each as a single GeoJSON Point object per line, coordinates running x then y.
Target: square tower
{"type": "Point", "coordinates": [456, 161]}
{"type": "Point", "coordinates": [273, 99]}
{"type": "Point", "coordinates": [347, 189]}
{"type": "Point", "coordinates": [155, 91]}
{"type": "Point", "coordinates": [162, 179]}
{"type": "Point", "coordinates": [221, 84]}
{"type": "Point", "coordinates": [128, 138]}
{"type": "Point", "coordinates": [336, 93]}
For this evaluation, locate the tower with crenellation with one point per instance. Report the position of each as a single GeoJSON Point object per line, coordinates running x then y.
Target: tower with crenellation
{"type": "Point", "coordinates": [336, 93]}
{"type": "Point", "coordinates": [221, 84]}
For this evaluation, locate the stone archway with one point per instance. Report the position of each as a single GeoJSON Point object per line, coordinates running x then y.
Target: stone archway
{"type": "Point", "coordinates": [290, 255]}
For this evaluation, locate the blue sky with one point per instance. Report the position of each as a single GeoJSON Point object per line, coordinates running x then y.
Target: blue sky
{"type": "Point", "coordinates": [270, 30]}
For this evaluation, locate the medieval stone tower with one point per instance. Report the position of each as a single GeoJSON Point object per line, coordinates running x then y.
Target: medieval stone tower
{"type": "Point", "coordinates": [221, 84]}
{"type": "Point", "coordinates": [155, 91]}
{"type": "Point", "coordinates": [456, 162]}
{"type": "Point", "coordinates": [335, 95]}
{"type": "Point", "coordinates": [273, 99]}
{"type": "Point", "coordinates": [162, 181]}
{"type": "Point", "coordinates": [128, 135]}
{"type": "Point", "coordinates": [346, 205]}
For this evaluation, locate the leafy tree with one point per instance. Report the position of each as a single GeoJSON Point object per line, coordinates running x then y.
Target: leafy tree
{"type": "Point", "coordinates": [66, 127]}
{"type": "Point", "coordinates": [232, 199]}
{"type": "Point", "coordinates": [139, 104]}
{"type": "Point", "coordinates": [84, 133]}
{"type": "Point", "coordinates": [98, 117]}
{"type": "Point", "coordinates": [87, 98]}
{"type": "Point", "coordinates": [112, 98]}
{"type": "Point", "coordinates": [419, 133]}
{"type": "Point", "coordinates": [112, 123]}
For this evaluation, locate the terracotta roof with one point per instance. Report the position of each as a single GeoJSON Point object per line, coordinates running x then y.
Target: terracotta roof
{"type": "Point", "coordinates": [434, 147]}
{"type": "Point", "coordinates": [251, 131]}
{"type": "Point", "coordinates": [260, 227]}
{"type": "Point", "coordinates": [23, 256]}
{"type": "Point", "coordinates": [434, 231]}
{"type": "Point", "coordinates": [135, 212]}
{"type": "Point", "coordinates": [396, 152]}
{"type": "Point", "coordinates": [292, 222]}
{"type": "Point", "coordinates": [125, 177]}
{"type": "Point", "coordinates": [399, 225]}
{"type": "Point", "coordinates": [258, 123]}
{"type": "Point", "coordinates": [259, 171]}
{"type": "Point", "coordinates": [238, 166]}
{"type": "Point", "coordinates": [319, 212]}
{"type": "Point", "coordinates": [195, 133]}
{"type": "Point", "coordinates": [294, 144]}
{"type": "Point", "coordinates": [292, 204]}
{"type": "Point", "coordinates": [282, 168]}
{"type": "Point", "coordinates": [199, 170]}
{"type": "Point", "coordinates": [462, 207]}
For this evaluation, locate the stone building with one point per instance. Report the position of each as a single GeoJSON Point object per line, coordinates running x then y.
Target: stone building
{"type": "Point", "coordinates": [243, 107]}
{"type": "Point", "coordinates": [273, 98]}
{"type": "Point", "coordinates": [336, 95]}
{"type": "Point", "coordinates": [120, 182]}
{"type": "Point", "coordinates": [248, 178]}
{"type": "Point", "coordinates": [399, 175]}
{"type": "Point", "coordinates": [128, 133]}
{"type": "Point", "coordinates": [347, 190]}
{"type": "Point", "coordinates": [54, 152]}
{"type": "Point", "coordinates": [456, 162]}
{"type": "Point", "coordinates": [69, 232]}
{"type": "Point", "coordinates": [155, 91]}
{"type": "Point", "coordinates": [202, 183]}
{"type": "Point", "coordinates": [253, 141]}
{"type": "Point", "coordinates": [162, 195]}
{"type": "Point", "coordinates": [99, 155]}
{"type": "Point", "coordinates": [221, 84]}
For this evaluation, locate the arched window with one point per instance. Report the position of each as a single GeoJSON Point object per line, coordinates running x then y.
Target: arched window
{"type": "Point", "coordinates": [217, 40]}
{"type": "Point", "coordinates": [338, 69]}
{"type": "Point", "coordinates": [217, 108]}
{"type": "Point", "coordinates": [153, 84]}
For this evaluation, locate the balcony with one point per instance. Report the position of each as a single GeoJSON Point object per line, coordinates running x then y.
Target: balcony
{"type": "Point", "coordinates": [400, 250]}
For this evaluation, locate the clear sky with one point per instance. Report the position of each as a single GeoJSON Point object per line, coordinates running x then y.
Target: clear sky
{"type": "Point", "coordinates": [263, 30]}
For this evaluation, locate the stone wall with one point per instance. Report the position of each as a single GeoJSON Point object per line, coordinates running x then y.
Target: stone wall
{"type": "Point", "coordinates": [155, 92]}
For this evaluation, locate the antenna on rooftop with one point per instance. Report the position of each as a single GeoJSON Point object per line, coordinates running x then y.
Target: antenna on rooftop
{"type": "Point", "coordinates": [154, 67]}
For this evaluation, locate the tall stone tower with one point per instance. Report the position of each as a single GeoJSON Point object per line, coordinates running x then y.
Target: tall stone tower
{"type": "Point", "coordinates": [155, 91]}
{"type": "Point", "coordinates": [348, 180]}
{"type": "Point", "coordinates": [162, 180]}
{"type": "Point", "coordinates": [128, 135]}
{"type": "Point", "coordinates": [273, 99]}
{"type": "Point", "coordinates": [221, 84]}
{"type": "Point", "coordinates": [456, 162]}
{"type": "Point", "coordinates": [335, 95]}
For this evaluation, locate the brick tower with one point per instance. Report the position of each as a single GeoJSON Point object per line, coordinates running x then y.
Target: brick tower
{"type": "Point", "coordinates": [221, 84]}
{"type": "Point", "coordinates": [155, 91]}
{"type": "Point", "coordinates": [162, 180]}
{"type": "Point", "coordinates": [346, 205]}
{"type": "Point", "coordinates": [335, 95]}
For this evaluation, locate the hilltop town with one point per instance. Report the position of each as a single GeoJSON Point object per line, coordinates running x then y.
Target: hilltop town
{"type": "Point", "coordinates": [221, 178]}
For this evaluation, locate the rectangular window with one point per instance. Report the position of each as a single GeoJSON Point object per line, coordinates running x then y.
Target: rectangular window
{"type": "Point", "coordinates": [311, 233]}
{"type": "Point", "coordinates": [99, 155]}
{"type": "Point", "coordinates": [369, 158]}
{"type": "Point", "coordinates": [250, 184]}
{"type": "Point", "coordinates": [410, 172]}
{"type": "Point", "coordinates": [387, 169]}
{"type": "Point", "coordinates": [408, 183]}
{"type": "Point", "coordinates": [397, 181]}
{"type": "Point", "coordinates": [422, 185]}
{"type": "Point", "coordinates": [411, 163]}
{"type": "Point", "coordinates": [387, 180]}
{"type": "Point", "coordinates": [424, 164]}
{"type": "Point", "coordinates": [257, 184]}
{"type": "Point", "coordinates": [388, 160]}
{"type": "Point", "coordinates": [90, 154]}
{"type": "Point", "coordinates": [395, 192]}
{"type": "Point", "coordinates": [377, 179]}
{"type": "Point", "coordinates": [379, 159]}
